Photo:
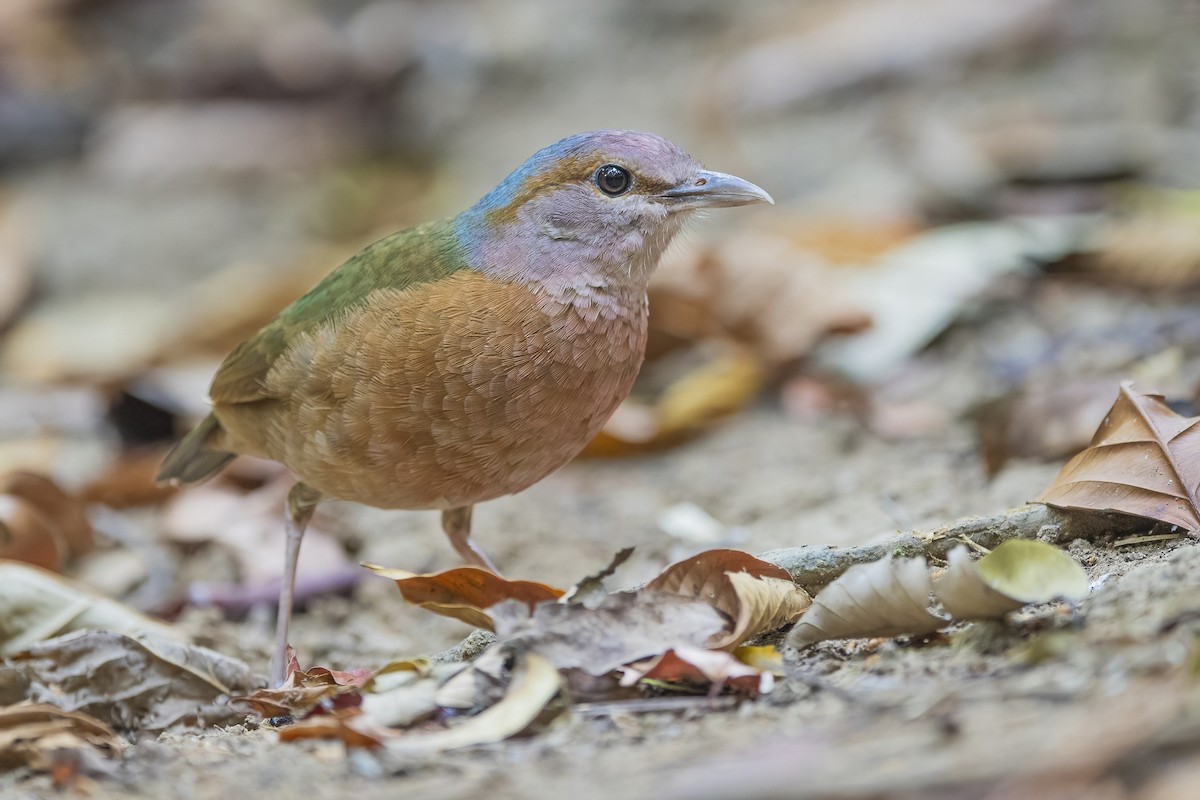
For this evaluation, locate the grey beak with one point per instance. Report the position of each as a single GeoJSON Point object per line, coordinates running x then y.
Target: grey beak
{"type": "Point", "coordinates": [715, 190]}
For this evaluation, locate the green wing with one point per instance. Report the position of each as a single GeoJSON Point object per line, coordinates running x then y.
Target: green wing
{"type": "Point", "coordinates": [415, 256]}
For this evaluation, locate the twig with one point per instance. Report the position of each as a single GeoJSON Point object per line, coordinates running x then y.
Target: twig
{"type": "Point", "coordinates": [814, 567]}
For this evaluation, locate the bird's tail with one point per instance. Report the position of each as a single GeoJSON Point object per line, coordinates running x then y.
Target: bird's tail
{"type": "Point", "coordinates": [193, 459]}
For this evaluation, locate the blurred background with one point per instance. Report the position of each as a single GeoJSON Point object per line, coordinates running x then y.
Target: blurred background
{"type": "Point", "coordinates": [987, 217]}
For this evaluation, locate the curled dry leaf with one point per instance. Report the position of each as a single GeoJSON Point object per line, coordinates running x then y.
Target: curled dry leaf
{"type": "Point", "coordinates": [535, 684]}
{"type": "Point", "coordinates": [145, 683]}
{"type": "Point", "coordinates": [712, 391]}
{"type": "Point", "coordinates": [892, 597]}
{"type": "Point", "coordinates": [1016, 573]}
{"type": "Point", "coordinates": [465, 592]}
{"type": "Point", "coordinates": [36, 605]}
{"type": "Point", "coordinates": [758, 597]}
{"type": "Point", "coordinates": [884, 598]}
{"type": "Point", "coordinates": [27, 535]}
{"type": "Point", "coordinates": [406, 692]}
{"type": "Point", "coordinates": [303, 691]}
{"type": "Point", "coordinates": [33, 735]}
{"type": "Point", "coordinates": [695, 666]}
{"type": "Point", "coordinates": [1144, 460]}
{"type": "Point", "coordinates": [67, 511]}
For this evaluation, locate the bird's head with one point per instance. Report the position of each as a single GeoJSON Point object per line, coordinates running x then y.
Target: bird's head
{"type": "Point", "coordinates": [602, 204]}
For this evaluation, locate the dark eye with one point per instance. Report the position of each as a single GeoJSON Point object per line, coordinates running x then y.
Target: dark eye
{"type": "Point", "coordinates": [613, 180]}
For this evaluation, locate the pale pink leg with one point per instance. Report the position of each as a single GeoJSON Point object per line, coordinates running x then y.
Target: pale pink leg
{"type": "Point", "coordinates": [456, 522]}
{"type": "Point", "coordinates": [301, 502]}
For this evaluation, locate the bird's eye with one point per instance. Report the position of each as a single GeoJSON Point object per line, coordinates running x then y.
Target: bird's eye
{"type": "Point", "coordinates": [613, 180]}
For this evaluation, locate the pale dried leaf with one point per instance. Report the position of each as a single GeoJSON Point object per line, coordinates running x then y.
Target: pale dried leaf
{"type": "Point", "coordinates": [626, 627]}
{"type": "Point", "coordinates": [144, 683]}
{"type": "Point", "coordinates": [535, 683]}
{"type": "Point", "coordinates": [37, 605]}
{"type": "Point", "coordinates": [892, 597]}
{"type": "Point", "coordinates": [1144, 460]}
{"type": "Point", "coordinates": [884, 598]}
{"type": "Point", "coordinates": [756, 596]}
{"type": "Point", "coordinates": [31, 734]}
{"type": "Point", "coordinates": [1018, 571]}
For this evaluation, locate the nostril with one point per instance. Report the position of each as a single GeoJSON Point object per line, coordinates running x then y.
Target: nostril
{"type": "Point", "coordinates": [701, 181]}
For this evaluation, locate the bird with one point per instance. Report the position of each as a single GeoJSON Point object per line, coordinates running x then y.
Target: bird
{"type": "Point", "coordinates": [464, 359]}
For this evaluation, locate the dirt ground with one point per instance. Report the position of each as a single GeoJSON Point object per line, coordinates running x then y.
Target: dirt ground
{"type": "Point", "coordinates": [1097, 700]}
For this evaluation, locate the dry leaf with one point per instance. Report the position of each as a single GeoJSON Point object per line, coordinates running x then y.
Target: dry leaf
{"type": "Point", "coordinates": [405, 692]}
{"type": "Point", "coordinates": [1144, 460]}
{"type": "Point", "coordinates": [1016, 573]}
{"type": "Point", "coordinates": [302, 691]}
{"type": "Point", "coordinates": [535, 683]}
{"type": "Point", "coordinates": [465, 592]}
{"type": "Point", "coordinates": [1156, 245]}
{"type": "Point", "coordinates": [772, 293]}
{"type": "Point", "coordinates": [34, 735]}
{"type": "Point", "coordinates": [36, 605]}
{"type": "Point", "coordinates": [705, 668]}
{"type": "Point", "coordinates": [1047, 422]}
{"type": "Point", "coordinates": [350, 726]}
{"type": "Point", "coordinates": [758, 597]}
{"type": "Point", "coordinates": [67, 511]}
{"type": "Point", "coordinates": [143, 683]}
{"type": "Point", "coordinates": [858, 43]}
{"type": "Point", "coordinates": [918, 289]}
{"type": "Point", "coordinates": [26, 535]}
{"type": "Point", "coordinates": [626, 627]}
{"type": "Point", "coordinates": [716, 389]}
{"type": "Point", "coordinates": [883, 598]}
{"type": "Point", "coordinates": [894, 597]}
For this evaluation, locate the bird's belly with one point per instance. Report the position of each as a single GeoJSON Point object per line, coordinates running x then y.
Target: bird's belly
{"type": "Point", "coordinates": [492, 405]}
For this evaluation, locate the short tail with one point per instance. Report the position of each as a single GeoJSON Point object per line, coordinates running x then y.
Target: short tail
{"type": "Point", "coordinates": [193, 460]}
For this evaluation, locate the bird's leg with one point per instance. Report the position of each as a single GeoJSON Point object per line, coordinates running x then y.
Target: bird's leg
{"type": "Point", "coordinates": [456, 522]}
{"type": "Point", "coordinates": [301, 502]}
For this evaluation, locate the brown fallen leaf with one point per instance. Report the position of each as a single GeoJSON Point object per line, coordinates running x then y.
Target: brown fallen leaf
{"type": "Point", "coordinates": [465, 593]}
{"type": "Point", "coordinates": [34, 735]}
{"type": "Point", "coordinates": [128, 481]}
{"type": "Point", "coordinates": [695, 666]}
{"type": "Point", "coordinates": [350, 726]}
{"type": "Point", "coordinates": [303, 691]}
{"type": "Point", "coordinates": [36, 604]}
{"type": "Point", "coordinates": [66, 512]}
{"type": "Point", "coordinates": [756, 596]}
{"type": "Point", "coordinates": [891, 597]}
{"type": "Point", "coordinates": [1144, 460]}
{"type": "Point", "coordinates": [146, 683]}
{"type": "Point", "coordinates": [27, 535]}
